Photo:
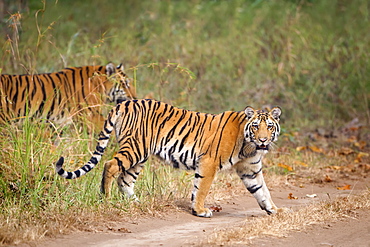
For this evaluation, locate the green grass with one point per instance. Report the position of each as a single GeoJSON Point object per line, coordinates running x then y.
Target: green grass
{"type": "Point", "coordinates": [309, 57]}
{"type": "Point", "coordinates": [35, 202]}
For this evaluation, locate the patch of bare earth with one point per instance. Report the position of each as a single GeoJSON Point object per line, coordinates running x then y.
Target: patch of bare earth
{"type": "Point", "coordinates": [180, 228]}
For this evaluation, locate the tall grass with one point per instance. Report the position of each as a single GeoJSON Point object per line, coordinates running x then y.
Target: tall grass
{"type": "Point", "coordinates": [35, 202]}
{"type": "Point", "coordinates": [309, 57]}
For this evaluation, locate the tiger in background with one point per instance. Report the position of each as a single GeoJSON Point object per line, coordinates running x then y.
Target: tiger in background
{"type": "Point", "coordinates": [186, 139]}
{"type": "Point", "coordinates": [59, 96]}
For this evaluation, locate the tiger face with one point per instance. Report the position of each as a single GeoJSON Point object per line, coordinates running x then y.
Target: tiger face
{"type": "Point", "coordinates": [262, 128]}
{"type": "Point", "coordinates": [118, 85]}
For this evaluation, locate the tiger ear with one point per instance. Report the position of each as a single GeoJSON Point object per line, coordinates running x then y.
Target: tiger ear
{"type": "Point", "coordinates": [120, 67]}
{"type": "Point", "coordinates": [249, 111]}
{"type": "Point", "coordinates": [275, 113]}
{"type": "Point", "coordinates": [110, 69]}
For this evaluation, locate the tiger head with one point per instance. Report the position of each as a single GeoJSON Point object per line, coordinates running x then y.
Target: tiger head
{"type": "Point", "coordinates": [120, 88]}
{"type": "Point", "coordinates": [262, 127]}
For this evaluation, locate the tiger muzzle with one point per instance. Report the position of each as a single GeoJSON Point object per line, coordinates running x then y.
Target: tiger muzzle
{"type": "Point", "coordinates": [262, 144]}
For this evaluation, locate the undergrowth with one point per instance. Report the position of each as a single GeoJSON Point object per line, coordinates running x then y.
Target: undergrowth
{"type": "Point", "coordinates": [309, 57]}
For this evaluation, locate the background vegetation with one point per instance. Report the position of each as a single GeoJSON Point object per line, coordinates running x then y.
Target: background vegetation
{"type": "Point", "coordinates": [311, 58]}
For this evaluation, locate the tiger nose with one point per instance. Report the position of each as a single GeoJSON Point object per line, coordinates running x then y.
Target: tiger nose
{"type": "Point", "coordinates": [262, 139]}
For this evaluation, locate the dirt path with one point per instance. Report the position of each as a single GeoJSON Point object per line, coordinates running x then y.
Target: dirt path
{"type": "Point", "coordinates": [182, 229]}
{"type": "Point", "coordinates": [347, 233]}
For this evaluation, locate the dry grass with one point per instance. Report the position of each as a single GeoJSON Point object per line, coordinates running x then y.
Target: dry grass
{"type": "Point", "coordinates": [29, 216]}
{"type": "Point", "coordinates": [281, 225]}
{"type": "Point", "coordinates": [22, 226]}
{"type": "Point", "coordinates": [310, 61]}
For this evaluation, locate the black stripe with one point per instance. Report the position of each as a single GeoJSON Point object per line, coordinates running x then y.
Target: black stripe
{"type": "Point", "coordinates": [94, 160]}
{"type": "Point", "coordinates": [103, 138]}
{"type": "Point", "coordinates": [254, 163]}
{"type": "Point", "coordinates": [100, 149]}
{"type": "Point", "coordinates": [183, 159]}
{"type": "Point", "coordinates": [132, 175]}
{"type": "Point", "coordinates": [222, 130]}
{"type": "Point", "coordinates": [119, 162]}
{"type": "Point", "coordinates": [183, 140]}
{"type": "Point", "coordinates": [254, 188]}
{"type": "Point", "coordinates": [69, 175]}
{"type": "Point", "coordinates": [251, 176]}
{"type": "Point", "coordinates": [77, 173]}
{"type": "Point", "coordinates": [86, 168]}
{"type": "Point", "coordinates": [125, 183]}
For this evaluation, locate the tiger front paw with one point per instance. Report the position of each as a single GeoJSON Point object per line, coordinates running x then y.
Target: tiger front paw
{"type": "Point", "coordinates": [205, 212]}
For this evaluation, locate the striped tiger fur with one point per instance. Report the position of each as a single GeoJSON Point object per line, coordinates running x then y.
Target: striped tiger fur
{"type": "Point", "coordinates": [186, 139]}
{"type": "Point", "coordinates": [60, 95]}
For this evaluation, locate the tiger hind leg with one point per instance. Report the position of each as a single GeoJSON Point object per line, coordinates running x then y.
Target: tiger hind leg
{"type": "Point", "coordinates": [112, 169]}
{"type": "Point", "coordinates": [126, 181]}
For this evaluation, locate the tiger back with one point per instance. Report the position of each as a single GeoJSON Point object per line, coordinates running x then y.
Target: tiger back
{"type": "Point", "coordinates": [205, 143]}
{"type": "Point", "coordinates": [62, 95]}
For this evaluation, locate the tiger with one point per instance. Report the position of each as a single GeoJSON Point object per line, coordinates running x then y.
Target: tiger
{"type": "Point", "coordinates": [60, 95]}
{"type": "Point", "coordinates": [204, 143]}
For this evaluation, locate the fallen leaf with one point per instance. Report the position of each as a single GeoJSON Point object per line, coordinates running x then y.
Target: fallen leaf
{"type": "Point", "coordinates": [328, 179]}
{"type": "Point", "coordinates": [291, 197]}
{"type": "Point", "coordinates": [300, 163]}
{"type": "Point", "coordinates": [345, 187]}
{"type": "Point", "coordinates": [334, 167]}
{"type": "Point", "coordinates": [287, 167]}
{"type": "Point", "coordinates": [345, 151]}
{"type": "Point", "coordinates": [311, 195]}
{"type": "Point", "coordinates": [123, 229]}
{"type": "Point", "coordinates": [365, 167]}
{"type": "Point", "coordinates": [359, 157]}
{"type": "Point", "coordinates": [215, 208]}
{"type": "Point", "coordinates": [349, 168]}
{"type": "Point", "coordinates": [300, 148]}
{"type": "Point", "coordinates": [316, 149]}
{"type": "Point", "coordinates": [361, 144]}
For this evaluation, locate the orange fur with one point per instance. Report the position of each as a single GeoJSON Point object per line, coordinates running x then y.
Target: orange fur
{"type": "Point", "coordinates": [205, 143]}
{"type": "Point", "coordinates": [61, 95]}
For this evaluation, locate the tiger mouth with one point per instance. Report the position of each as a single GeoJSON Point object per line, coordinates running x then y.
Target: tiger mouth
{"type": "Point", "coordinates": [262, 147]}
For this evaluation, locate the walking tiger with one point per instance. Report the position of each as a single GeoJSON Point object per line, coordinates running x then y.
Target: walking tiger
{"type": "Point", "coordinates": [205, 143]}
{"type": "Point", "coordinates": [59, 96]}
